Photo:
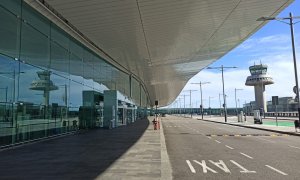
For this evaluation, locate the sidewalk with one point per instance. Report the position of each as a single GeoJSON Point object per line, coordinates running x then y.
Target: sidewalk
{"type": "Point", "coordinates": [132, 152]}
{"type": "Point", "coordinates": [146, 159]}
{"type": "Point", "coordinates": [233, 120]}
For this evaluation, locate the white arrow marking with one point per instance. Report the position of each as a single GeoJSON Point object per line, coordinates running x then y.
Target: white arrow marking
{"type": "Point", "coordinates": [190, 166]}
{"type": "Point", "coordinates": [276, 170]}
{"type": "Point", "coordinates": [244, 170]}
{"type": "Point", "coordinates": [204, 167]}
{"type": "Point", "coordinates": [221, 165]}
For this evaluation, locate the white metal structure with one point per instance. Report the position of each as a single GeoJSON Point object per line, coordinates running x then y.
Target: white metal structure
{"type": "Point", "coordinates": [259, 79]}
{"type": "Point", "coordinates": [163, 43]}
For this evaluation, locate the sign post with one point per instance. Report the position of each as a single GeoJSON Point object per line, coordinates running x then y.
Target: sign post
{"type": "Point", "coordinates": [275, 102]}
{"type": "Point", "coordinates": [156, 104]}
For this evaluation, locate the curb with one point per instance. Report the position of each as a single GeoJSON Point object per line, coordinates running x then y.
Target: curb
{"type": "Point", "coordinates": [271, 130]}
{"type": "Point", "coordinates": [166, 170]}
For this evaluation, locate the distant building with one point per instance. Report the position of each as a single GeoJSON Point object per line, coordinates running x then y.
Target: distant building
{"type": "Point", "coordinates": [285, 104]}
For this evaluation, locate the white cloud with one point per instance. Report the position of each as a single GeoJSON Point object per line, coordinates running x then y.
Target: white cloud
{"type": "Point", "coordinates": [280, 67]}
{"type": "Point", "coordinates": [272, 44]}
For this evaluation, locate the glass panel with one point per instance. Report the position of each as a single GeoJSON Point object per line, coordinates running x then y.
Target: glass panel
{"type": "Point", "coordinates": [34, 47]}
{"type": "Point", "coordinates": [136, 91]}
{"type": "Point", "coordinates": [75, 91]}
{"type": "Point", "coordinates": [9, 34]}
{"type": "Point", "coordinates": [8, 78]}
{"type": "Point", "coordinates": [88, 69]}
{"type": "Point", "coordinates": [76, 49]}
{"type": "Point", "coordinates": [8, 72]}
{"type": "Point", "coordinates": [33, 18]}
{"type": "Point", "coordinates": [28, 78]}
{"type": "Point", "coordinates": [76, 69]}
{"type": "Point", "coordinates": [59, 36]}
{"type": "Point", "coordinates": [74, 104]}
{"type": "Point", "coordinates": [59, 60]}
{"type": "Point", "coordinates": [13, 6]}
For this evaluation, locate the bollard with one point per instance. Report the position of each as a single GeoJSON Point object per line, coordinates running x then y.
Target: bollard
{"type": "Point", "coordinates": [296, 123]}
{"type": "Point", "coordinates": [154, 124]}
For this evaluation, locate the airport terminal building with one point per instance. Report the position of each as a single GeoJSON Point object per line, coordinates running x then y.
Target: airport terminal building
{"type": "Point", "coordinates": [67, 65]}
{"type": "Point", "coordinates": [51, 83]}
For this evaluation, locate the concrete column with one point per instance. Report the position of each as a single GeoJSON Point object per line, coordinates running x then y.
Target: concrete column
{"type": "Point", "coordinates": [260, 97]}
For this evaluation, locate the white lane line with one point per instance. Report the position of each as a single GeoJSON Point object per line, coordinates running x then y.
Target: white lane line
{"type": "Point", "coordinates": [246, 155]}
{"type": "Point", "coordinates": [265, 139]}
{"type": "Point", "coordinates": [208, 137]}
{"type": "Point", "coordinates": [294, 147]}
{"type": "Point", "coordinates": [190, 166]}
{"type": "Point", "coordinates": [280, 172]}
{"type": "Point", "coordinates": [218, 141]}
{"type": "Point", "coordinates": [229, 147]}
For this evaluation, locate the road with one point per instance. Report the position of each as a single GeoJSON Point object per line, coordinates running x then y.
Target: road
{"type": "Point", "coordinates": [205, 150]}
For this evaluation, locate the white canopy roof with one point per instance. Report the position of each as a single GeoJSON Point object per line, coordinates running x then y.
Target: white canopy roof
{"type": "Point", "coordinates": [162, 42]}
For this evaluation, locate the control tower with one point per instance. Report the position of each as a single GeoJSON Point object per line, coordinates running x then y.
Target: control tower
{"type": "Point", "coordinates": [44, 84]}
{"type": "Point", "coordinates": [259, 79]}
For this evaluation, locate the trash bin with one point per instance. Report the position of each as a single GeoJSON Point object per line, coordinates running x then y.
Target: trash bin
{"type": "Point", "coordinates": [241, 116]}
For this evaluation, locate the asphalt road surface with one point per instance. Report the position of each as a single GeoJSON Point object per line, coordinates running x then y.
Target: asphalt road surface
{"type": "Point", "coordinates": [205, 150]}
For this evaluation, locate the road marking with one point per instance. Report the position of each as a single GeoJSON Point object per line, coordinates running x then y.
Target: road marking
{"type": "Point", "coordinates": [208, 137]}
{"type": "Point", "coordinates": [229, 147]}
{"type": "Point", "coordinates": [294, 147]}
{"type": "Point", "coordinates": [265, 139]}
{"type": "Point", "coordinates": [243, 135]}
{"type": "Point", "coordinates": [280, 172]}
{"type": "Point", "coordinates": [221, 165]}
{"type": "Point", "coordinates": [244, 170]}
{"type": "Point", "coordinates": [218, 141]}
{"type": "Point", "coordinates": [190, 166]}
{"type": "Point", "coordinates": [204, 167]}
{"type": "Point", "coordinates": [246, 155]}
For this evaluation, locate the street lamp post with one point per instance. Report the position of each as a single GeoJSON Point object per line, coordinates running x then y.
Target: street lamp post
{"type": "Point", "coordinates": [224, 98]}
{"type": "Point", "coordinates": [235, 89]}
{"type": "Point", "coordinates": [201, 107]}
{"type": "Point", "coordinates": [209, 104]}
{"type": "Point", "coordinates": [291, 23]}
{"type": "Point", "coordinates": [179, 99]}
{"type": "Point", "coordinates": [220, 104]}
{"type": "Point", "coordinates": [184, 111]}
{"type": "Point", "coordinates": [191, 102]}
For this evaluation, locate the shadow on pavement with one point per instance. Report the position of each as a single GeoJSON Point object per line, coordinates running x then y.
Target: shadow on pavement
{"type": "Point", "coordinates": [80, 156]}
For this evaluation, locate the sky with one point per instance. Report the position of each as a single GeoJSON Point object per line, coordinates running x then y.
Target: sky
{"type": "Point", "coordinates": [271, 45]}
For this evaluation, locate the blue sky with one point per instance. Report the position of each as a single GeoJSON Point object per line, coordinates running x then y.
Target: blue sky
{"type": "Point", "coordinates": [270, 45]}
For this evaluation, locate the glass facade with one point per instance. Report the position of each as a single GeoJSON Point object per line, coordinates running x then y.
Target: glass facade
{"type": "Point", "coordinates": [43, 74]}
